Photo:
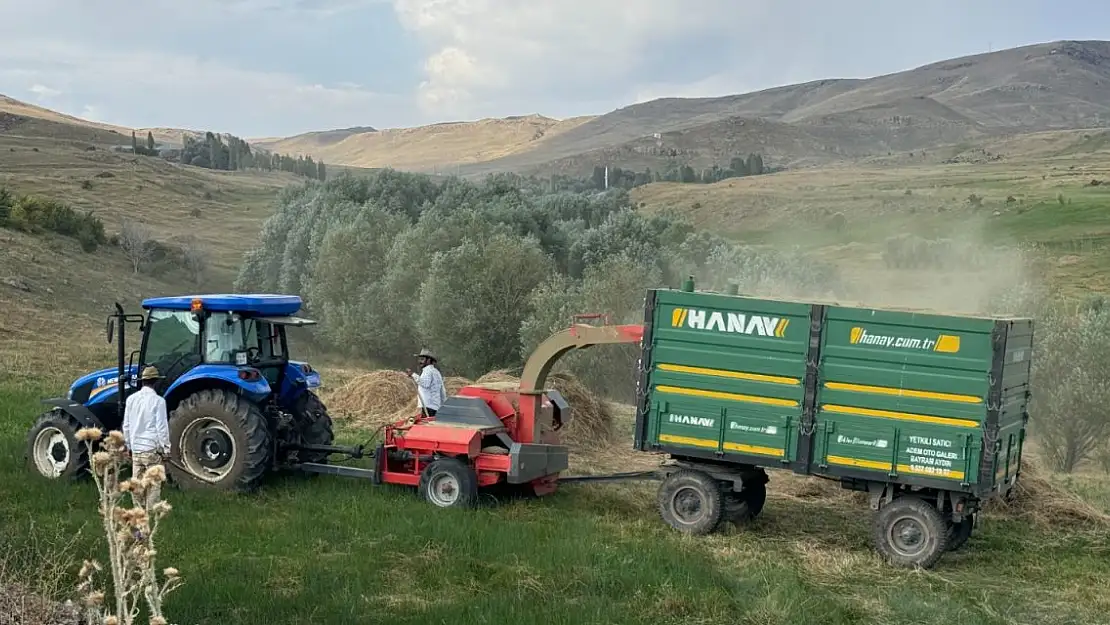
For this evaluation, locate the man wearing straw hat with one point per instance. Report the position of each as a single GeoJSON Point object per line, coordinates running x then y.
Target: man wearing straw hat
{"type": "Point", "coordinates": [430, 390]}
{"type": "Point", "coordinates": [146, 429]}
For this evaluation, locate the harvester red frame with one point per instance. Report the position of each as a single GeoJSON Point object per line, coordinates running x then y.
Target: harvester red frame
{"type": "Point", "coordinates": [488, 434]}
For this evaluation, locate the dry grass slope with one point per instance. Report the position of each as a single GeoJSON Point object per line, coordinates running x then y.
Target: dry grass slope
{"type": "Point", "coordinates": [427, 148]}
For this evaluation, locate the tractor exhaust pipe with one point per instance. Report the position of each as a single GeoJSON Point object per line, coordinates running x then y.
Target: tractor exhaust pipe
{"type": "Point", "coordinates": [120, 356]}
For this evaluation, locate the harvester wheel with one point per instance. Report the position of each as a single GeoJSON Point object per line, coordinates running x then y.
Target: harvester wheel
{"type": "Point", "coordinates": [691, 502]}
{"type": "Point", "coordinates": [218, 441]}
{"type": "Point", "coordinates": [449, 483]}
{"type": "Point", "coordinates": [53, 450]}
{"type": "Point", "coordinates": [910, 532]}
{"type": "Point", "coordinates": [959, 533]}
{"type": "Point", "coordinates": [314, 425]}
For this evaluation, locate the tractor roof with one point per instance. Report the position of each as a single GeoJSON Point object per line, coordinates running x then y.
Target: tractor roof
{"type": "Point", "coordinates": [251, 304]}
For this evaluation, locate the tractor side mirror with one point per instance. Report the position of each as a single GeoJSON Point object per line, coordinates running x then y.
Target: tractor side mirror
{"type": "Point", "coordinates": [111, 330]}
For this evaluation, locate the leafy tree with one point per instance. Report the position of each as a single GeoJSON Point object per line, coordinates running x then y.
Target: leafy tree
{"type": "Point", "coordinates": [475, 298]}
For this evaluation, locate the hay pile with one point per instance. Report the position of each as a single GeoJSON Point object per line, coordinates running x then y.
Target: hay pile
{"type": "Point", "coordinates": [591, 424]}
{"type": "Point", "coordinates": [380, 397]}
{"type": "Point", "coordinates": [1035, 498]}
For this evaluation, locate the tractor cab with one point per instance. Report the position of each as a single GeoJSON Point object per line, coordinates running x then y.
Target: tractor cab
{"type": "Point", "coordinates": [244, 333]}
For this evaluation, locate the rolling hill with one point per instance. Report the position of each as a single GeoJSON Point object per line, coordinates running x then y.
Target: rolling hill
{"type": "Point", "coordinates": [1050, 86]}
{"type": "Point", "coordinates": [425, 148]}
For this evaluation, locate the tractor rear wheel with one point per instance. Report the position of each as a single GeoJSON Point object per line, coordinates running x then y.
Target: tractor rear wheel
{"type": "Point", "coordinates": [692, 502]}
{"type": "Point", "coordinates": [218, 441]}
{"type": "Point", "coordinates": [910, 532]}
{"type": "Point", "coordinates": [449, 483]}
{"type": "Point", "coordinates": [53, 450]}
{"type": "Point", "coordinates": [314, 426]}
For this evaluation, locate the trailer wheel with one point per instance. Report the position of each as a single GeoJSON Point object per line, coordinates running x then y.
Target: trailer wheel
{"type": "Point", "coordinates": [910, 532]}
{"type": "Point", "coordinates": [959, 533]}
{"type": "Point", "coordinates": [449, 483]}
{"type": "Point", "coordinates": [218, 441]}
{"type": "Point", "coordinates": [691, 502]}
{"type": "Point", "coordinates": [747, 504]}
{"type": "Point", "coordinates": [53, 450]}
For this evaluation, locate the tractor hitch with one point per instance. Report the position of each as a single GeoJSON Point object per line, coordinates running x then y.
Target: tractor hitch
{"type": "Point", "coordinates": [356, 452]}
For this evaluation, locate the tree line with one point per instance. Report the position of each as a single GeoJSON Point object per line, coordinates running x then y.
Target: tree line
{"type": "Point", "coordinates": [483, 271]}
{"type": "Point", "coordinates": [212, 152]}
{"type": "Point", "coordinates": [738, 166]}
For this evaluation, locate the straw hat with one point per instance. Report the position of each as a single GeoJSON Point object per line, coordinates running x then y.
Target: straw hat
{"type": "Point", "coordinates": [426, 353]}
{"type": "Point", "coordinates": [150, 373]}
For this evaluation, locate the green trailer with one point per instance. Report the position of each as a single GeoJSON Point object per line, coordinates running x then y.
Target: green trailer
{"type": "Point", "coordinates": [924, 412]}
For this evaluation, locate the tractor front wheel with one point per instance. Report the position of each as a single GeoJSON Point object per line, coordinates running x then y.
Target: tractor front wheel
{"type": "Point", "coordinates": [53, 450]}
{"type": "Point", "coordinates": [449, 483]}
{"type": "Point", "coordinates": [218, 441]}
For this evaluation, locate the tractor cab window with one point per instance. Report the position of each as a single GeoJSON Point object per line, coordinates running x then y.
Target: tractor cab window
{"type": "Point", "coordinates": [172, 337]}
{"type": "Point", "coordinates": [226, 334]}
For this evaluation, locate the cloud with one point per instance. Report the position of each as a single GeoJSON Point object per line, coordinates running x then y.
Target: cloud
{"type": "Point", "coordinates": [43, 92]}
{"type": "Point", "coordinates": [480, 49]}
{"type": "Point", "coordinates": [213, 94]}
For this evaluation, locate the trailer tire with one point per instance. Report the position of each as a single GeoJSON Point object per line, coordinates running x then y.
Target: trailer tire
{"type": "Point", "coordinates": [691, 502]}
{"type": "Point", "coordinates": [747, 504]}
{"type": "Point", "coordinates": [52, 447]}
{"type": "Point", "coordinates": [959, 533]}
{"type": "Point", "coordinates": [449, 483]}
{"type": "Point", "coordinates": [910, 532]}
{"type": "Point", "coordinates": [237, 428]}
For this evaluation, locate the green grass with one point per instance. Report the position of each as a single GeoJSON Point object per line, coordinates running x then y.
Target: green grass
{"type": "Point", "coordinates": [341, 550]}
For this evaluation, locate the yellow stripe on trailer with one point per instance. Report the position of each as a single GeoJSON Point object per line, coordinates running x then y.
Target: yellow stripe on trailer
{"type": "Point", "coordinates": [688, 440]}
{"type": "Point", "coordinates": [751, 399]}
{"type": "Point", "coordinates": [901, 416]}
{"type": "Point", "coordinates": [858, 462]}
{"type": "Point", "coordinates": [902, 392]}
{"type": "Point", "coordinates": [724, 373]}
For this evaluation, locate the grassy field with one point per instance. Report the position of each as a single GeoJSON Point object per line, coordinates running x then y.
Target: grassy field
{"type": "Point", "coordinates": [340, 550]}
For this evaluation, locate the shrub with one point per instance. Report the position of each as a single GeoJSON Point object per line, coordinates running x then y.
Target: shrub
{"type": "Point", "coordinates": [34, 215]}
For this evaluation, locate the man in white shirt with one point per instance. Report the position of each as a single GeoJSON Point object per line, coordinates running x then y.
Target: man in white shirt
{"type": "Point", "coordinates": [430, 390]}
{"type": "Point", "coordinates": [146, 429]}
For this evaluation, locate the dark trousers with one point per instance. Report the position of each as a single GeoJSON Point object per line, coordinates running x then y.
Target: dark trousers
{"type": "Point", "coordinates": [430, 412]}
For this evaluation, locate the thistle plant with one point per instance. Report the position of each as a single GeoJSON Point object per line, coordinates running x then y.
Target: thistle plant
{"type": "Point", "coordinates": [130, 532]}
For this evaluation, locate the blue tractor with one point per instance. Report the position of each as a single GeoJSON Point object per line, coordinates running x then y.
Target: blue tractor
{"type": "Point", "coordinates": [238, 406]}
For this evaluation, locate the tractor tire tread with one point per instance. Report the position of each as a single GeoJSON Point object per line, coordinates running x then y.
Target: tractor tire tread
{"type": "Point", "coordinates": [69, 426]}
{"type": "Point", "coordinates": [959, 533]}
{"type": "Point", "coordinates": [315, 425]}
{"type": "Point", "coordinates": [244, 417]}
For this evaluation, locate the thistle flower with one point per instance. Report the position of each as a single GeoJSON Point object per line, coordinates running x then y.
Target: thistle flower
{"type": "Point", "coordinates": [162, 508]}
{"type": "Point", "coordinates": [116, 438]}
{"type": "Point", "coordinates": [89, 434]}
{"type": "Point", "coordinates": [100, 460]}
{"type": "Point", "coordinates": [94, 599]}
{"type": "Point", "coordinates": [171, 572]}
{"type": "Point", "coordinates": [156, 474]}
{"type": "Point", "coordinates": [111, 620]}
{"type": "Point", "coordinates": [126, 486]}
{"type": "Point", "coordinates": [158, 620]}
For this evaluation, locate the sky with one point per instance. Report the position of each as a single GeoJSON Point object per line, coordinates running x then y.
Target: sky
{"type": "Point", "coordinates": [262, 68]}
